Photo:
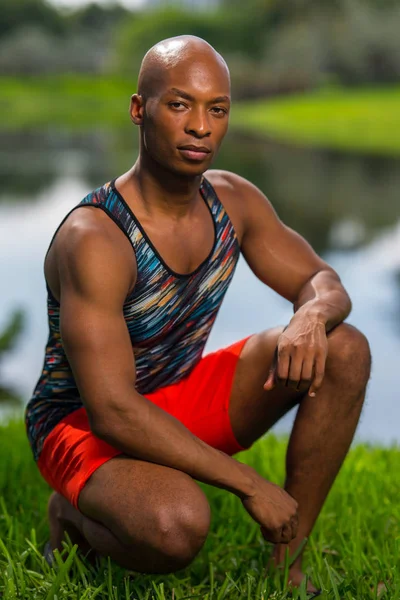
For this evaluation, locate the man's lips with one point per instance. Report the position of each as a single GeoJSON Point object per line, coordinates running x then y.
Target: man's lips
{"type": "Point", "coordinates": [194, 152]}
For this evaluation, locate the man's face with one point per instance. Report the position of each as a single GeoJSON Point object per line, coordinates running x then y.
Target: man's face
{"type": "Point", "coordinates": [187, 118]}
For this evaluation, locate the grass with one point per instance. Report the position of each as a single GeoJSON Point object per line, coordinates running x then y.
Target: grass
{"type": "Point", "coordinates": [353, 553]}
{"type": "Point", "coordinates": [361, 120]}
{"type": "Point", "coordinates": [74, 101]}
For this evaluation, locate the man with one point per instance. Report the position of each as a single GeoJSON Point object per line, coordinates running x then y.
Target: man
{"type": "Point", "coordinates": [127, 412]}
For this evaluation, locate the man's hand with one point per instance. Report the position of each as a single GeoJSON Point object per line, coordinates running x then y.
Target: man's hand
{"type": "Point", "coordinates": [300, 356]}
{"type": "Point", "coordinates": [274, 510]}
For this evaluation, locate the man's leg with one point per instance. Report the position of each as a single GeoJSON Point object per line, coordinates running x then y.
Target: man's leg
{"type": "Point", "coordinates": [311, 463]}
{"type": "Point", "coordinates": [146, 517]}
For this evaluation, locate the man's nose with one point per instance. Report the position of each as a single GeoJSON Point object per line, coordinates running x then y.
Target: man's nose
{"type": "Point", "coordinates": [198, 123]}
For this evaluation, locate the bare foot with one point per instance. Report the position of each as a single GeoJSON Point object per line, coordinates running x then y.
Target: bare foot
{"type": "Point", "coordinates": [295, 578]}
{"type": "Point", "coordinates": [296, 575]}
{"type": "Point", "coordinates": [60, 515]}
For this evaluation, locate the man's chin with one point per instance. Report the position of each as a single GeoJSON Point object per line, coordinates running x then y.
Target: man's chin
{"type": "Point", "coordinates": [191, 171]}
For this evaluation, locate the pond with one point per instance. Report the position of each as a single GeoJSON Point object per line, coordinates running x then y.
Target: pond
{"type": "Point", "coordinates": [346, 206]}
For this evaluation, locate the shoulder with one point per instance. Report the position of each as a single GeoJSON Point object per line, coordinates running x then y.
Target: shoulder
{"type": "Point", "coordinates": [89, 244]}
{"type": "Point", "coordinates": [243, 198]}
{"type": "Point", "coordinates": [89, 228]}
{"type": "Point", "coordinates": [227, 182]}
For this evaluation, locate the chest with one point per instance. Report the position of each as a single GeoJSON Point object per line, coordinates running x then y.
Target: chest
{"type": "Point", "coordinates": [184, 244]}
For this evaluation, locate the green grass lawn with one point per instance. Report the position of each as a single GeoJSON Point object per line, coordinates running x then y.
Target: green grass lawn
{"type": "Point", "coordinates": [361, 120]}
{"type": "Point", "coordinates": [353, 553]}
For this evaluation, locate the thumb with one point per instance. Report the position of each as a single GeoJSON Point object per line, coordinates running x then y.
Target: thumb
{"type": "Point", "coordinates": [270, 383]}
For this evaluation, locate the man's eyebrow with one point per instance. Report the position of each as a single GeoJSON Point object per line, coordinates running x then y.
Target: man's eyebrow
{"type": "Point", "coordinates": [187, 96]}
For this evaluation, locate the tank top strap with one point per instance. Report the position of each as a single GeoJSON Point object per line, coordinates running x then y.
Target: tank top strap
{"type": "Point", "coordinates": [108, 199]}
{"type": "Point", "coordinates": [223, 223]}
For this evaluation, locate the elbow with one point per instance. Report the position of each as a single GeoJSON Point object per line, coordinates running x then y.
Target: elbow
{"type": "Point", "coordinates": [103, 426]}
{"type": "Point", "coordinates": [111, 424]}
{"type": "Point", "coordinates": [98, 426]}
{"type": "Point", "coordinates": [105, 430]}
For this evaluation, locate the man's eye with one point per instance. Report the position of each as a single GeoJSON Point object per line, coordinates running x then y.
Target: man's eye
{"type": "Point", "coordinates": [219, 110]}
{"type": "Point", "coordinates": [176, 104]}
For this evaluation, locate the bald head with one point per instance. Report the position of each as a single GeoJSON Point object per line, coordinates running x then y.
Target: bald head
{"type": "Point", "coordinates": [182, 51]}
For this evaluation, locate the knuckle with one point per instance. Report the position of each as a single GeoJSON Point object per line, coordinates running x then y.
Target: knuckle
{"type": "Point", "coordinates": [283, 349]}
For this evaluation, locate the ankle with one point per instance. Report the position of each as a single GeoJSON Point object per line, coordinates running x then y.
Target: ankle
{"type": "Point", "coordinates": [292, 549]}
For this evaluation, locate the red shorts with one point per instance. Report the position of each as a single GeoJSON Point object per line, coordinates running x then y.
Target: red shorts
{"type": "Point", "coordinates": [71, 453]}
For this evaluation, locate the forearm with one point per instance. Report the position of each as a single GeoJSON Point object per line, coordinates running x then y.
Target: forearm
{"type": "Point", "coordinates": [143, 430]}
{"type": "Point", "coordinates": [323, 298]}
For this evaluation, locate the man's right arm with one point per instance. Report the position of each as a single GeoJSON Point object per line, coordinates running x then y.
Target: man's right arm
{"type": "Point", "coordinates": [95, 273]}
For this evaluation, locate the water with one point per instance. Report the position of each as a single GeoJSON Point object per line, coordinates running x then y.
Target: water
{"type": "Point", "coordinates": [346, 206]}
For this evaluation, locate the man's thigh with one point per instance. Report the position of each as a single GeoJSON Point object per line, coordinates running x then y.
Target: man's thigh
{"type": "Point", "coordinates": [253, 410]}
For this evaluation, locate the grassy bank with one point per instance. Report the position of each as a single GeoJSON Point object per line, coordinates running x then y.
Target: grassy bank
{"type": "Point", "coordinates": [353, 553]}
{"type": "Point", "coordinates": [363, 120]}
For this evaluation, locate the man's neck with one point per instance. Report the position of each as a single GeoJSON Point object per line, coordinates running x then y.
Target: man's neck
{"type": "Point", "coordinates": [163, 191]}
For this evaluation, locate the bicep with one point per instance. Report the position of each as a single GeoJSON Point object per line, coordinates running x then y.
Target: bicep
{"type": "Point", "coordinates": [98, 347]}
{"type": "Point", "coordinates": [277, 255]}
{"type": "Point", "coordinates": [94, 280]}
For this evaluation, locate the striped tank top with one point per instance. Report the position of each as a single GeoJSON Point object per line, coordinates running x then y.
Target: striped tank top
{"type": "Point", "coordinates": [169, 315]}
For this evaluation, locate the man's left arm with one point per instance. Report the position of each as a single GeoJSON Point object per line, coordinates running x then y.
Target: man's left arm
{"type": "Point", "coordinates": [286, 262]}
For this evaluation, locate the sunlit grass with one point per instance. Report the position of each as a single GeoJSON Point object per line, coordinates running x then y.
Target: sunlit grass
{"type": "Point", "coordinates": [361, 120]}
{"type": "Point", "coordinates": [353, 553]}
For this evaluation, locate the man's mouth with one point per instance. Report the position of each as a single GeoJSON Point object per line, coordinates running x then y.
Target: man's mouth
{"type": "Point", "coordinates": [193, 152]}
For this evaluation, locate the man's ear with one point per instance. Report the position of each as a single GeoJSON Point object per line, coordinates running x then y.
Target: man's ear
{"type": "Point", "coordinates": [136, 109]}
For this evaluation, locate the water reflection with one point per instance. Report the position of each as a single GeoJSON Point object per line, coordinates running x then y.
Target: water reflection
{"type": "Point", "coordinates": [334, 200]}
{"type": "Point", "coordinates": [347, 207]}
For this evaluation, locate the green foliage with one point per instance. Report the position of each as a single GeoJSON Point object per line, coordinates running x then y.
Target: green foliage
{"type": "Point", "coordinates": [273, 46]}
{"type": "Point", "coordinates": [353, 552]}
{"type": "Point", "coordinates": [13, 329]}
{"type": "Point", "coordinates": [36, 37]}
{"type": "Point", "coordinates": [17, 13]}
{"type": "Point", "coordinates": [8, 339]}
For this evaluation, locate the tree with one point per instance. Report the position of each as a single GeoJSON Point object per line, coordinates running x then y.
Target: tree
{"type": "Point", "coordinates": [16, 13]}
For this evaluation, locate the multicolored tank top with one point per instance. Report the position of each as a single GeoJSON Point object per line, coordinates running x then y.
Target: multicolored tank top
{"type": "Point", "coordinates": [169, 315]}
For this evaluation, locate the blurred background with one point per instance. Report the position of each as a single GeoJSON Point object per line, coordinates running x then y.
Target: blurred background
{"type": "Point", "coordinates": [315, 124]}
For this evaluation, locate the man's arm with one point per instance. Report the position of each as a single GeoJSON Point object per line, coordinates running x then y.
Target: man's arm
{"type": "Point", "coordinates": [284, 261]}
{"type": "Point", "coordinates": [95, 274]}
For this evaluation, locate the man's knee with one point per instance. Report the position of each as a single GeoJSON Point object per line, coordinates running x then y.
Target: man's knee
{"type": "Point", "coordinates": [349, 356]}
{"type": "Point", "coordinates": [179, 532]}
{"type": "Point", "coordinates": [182, 532]}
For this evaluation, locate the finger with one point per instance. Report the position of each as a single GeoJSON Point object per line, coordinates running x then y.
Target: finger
{"type": "Point", "coordinates": [295, 368]}
{"type": "Point", "coordinates": [319, 375]}
{"type": "Point", "coordinates": [306, 374]}
{"type": "Point", "coordinates": [270, 383]}
{"type": "Point", "coordinates": [294, 522]}
{"type": "Point", "coordinates": [272, 535]}
{"type": "Point", "coordinates": [283, 364]}
{"type": "Point", "coordinates": [286, 534]}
